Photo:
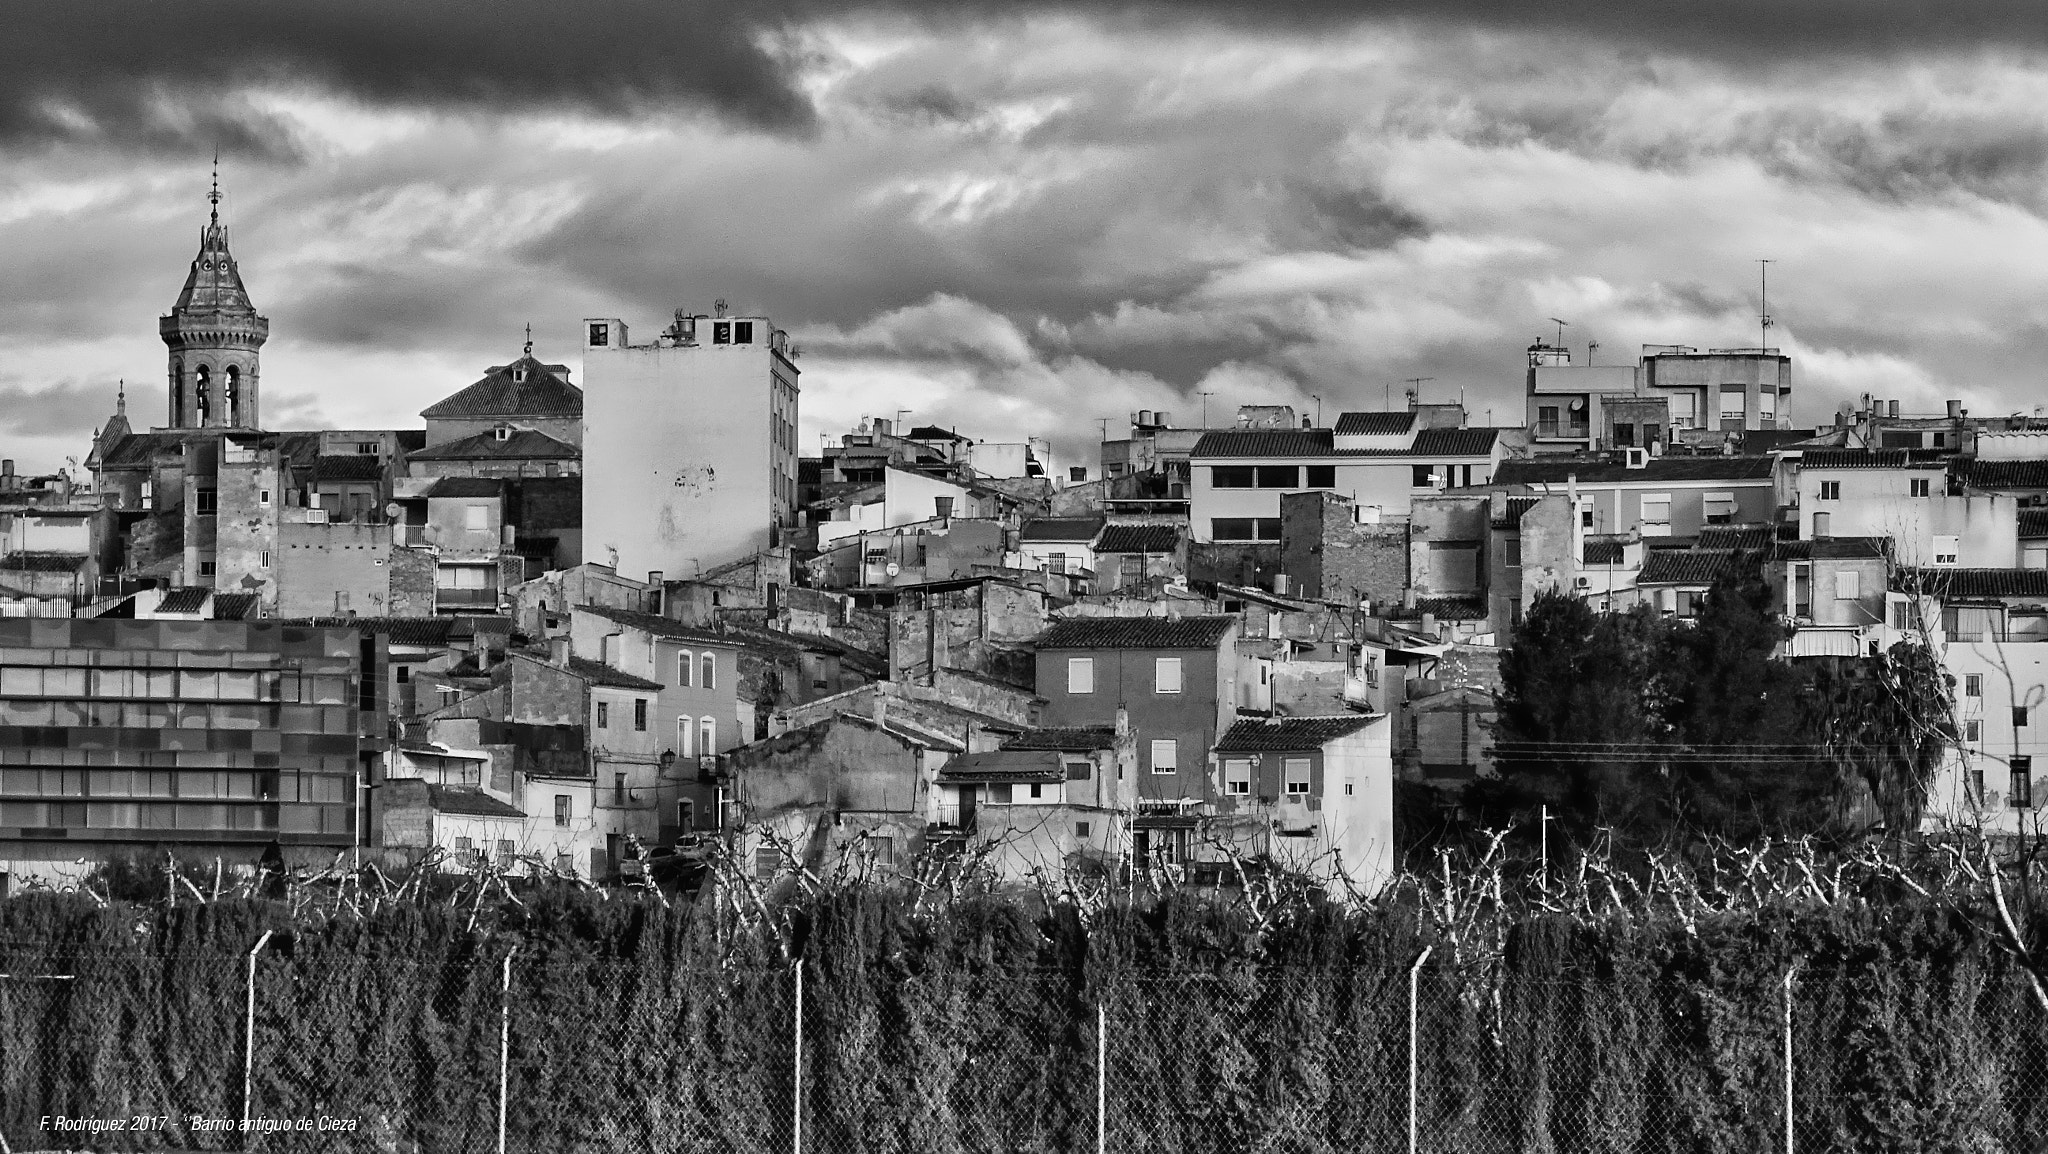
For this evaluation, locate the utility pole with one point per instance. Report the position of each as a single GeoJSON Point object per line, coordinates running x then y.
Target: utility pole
{"type": "Point", "coordinates": [1104, 422]}
{"type": "Point", "coordinates": [1205, 406]}
{"type": "Point", "coordinates": [1763, 274]}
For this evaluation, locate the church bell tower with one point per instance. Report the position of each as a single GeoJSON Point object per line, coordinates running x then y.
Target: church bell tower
{"type": "Point", "coordinates": [214, 334]}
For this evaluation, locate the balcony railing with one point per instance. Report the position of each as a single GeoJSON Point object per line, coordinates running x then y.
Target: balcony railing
{"type": "Point", "coordinates": [466, 598]}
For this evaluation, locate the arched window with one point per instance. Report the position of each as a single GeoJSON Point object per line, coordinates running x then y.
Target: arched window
{"type": "Point", "coordinates": [684, 732]}
{"type": "Point", "coordinates": [202, 381]}
{"type": "Point", "coordinates": [683, 664]}
{"type": "Point", "coordinates": [233, 395]}
{"type": "Point", "coordinates": [709, 667]}
{"type": "Point", "coordinates": [707, 736]}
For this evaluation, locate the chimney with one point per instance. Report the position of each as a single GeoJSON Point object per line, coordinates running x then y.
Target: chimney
{"type": "Point", "coordinates": [878, 708]}
{"type": "Point", "coordinates": [1893, 411]}
{"type": "Point", "coordinates": [1955, 410]}
{"type": "Point", "coordinates": [1123, 720]}
{"type": "Point", "coordinates": [1865, 410]}
{"type": "Point", "coordinates": [558, 652]}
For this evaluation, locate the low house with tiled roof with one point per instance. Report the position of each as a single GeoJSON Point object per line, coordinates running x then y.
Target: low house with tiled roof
{"type": "Point", "coordinates": [1309, 795]}
{"type": "Point", "coordinates": [1377, 459]}
{"type": "Point", "coordinates": [45, 584]}
{"type": "Point", "coordinates": [1059, 544]}
{"type": "Point", "coordinates": [507, 450]}
{"type": "Point", "coordinates": [1051, 801]}
{"type": "Point", "coordinates": [1174, 678]}
{"type": "Point", "coordinates": [1137, 558]}
{"type": "Point", "coordinates": [526, 393]}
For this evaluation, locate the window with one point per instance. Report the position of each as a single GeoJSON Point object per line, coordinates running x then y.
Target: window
{"type": "Point", "coordinates": [2019, 717]}
{"type": "Point", "coordinates": [1080, 829]}
{"type": "Point", "coordinates": [721, 332]}
{"type": "Point", "coordinates": [604, 714]}
{"type": "Point", "coordinates": [1422, 476]}
{"type": "Point", "coordinates": [707, 669]}
{"type": "Point", "coordinates": [1231, 477]}
{"type": "Point", "coordinates": [1245, 529]}
{"type": "Point", "coordinates": [1080, 675]}
{"type": "Point", "coordinates": [1165, 755]}
{"type": "Point", "coordinates": [1973, 685]}
{"type": "Point", "coordinates": [505, 850]}
{"type": "Point", "coordinates": [1077, 473]}
{"type": "Point", "coordinates": [208, 501]}
{"type": "Point", "coordinates": [743, 332]}
{"type": "Point", "coordinates": [1166, 675]}
{"type": "Point", "coordinates": [1056, 562]}
{"type": "Point", "coordinates": [885, 849]}
{"type": "Point", "coordinates": [1237, 777]}
{"type": "Point", "coordinates": [640, 714]}
{"type": "Point", "coordinates": [1902, 615]}
{"type": "Point", "coordinates": [618, 789]}
{"type": "Point", "coordinates": [685, 729]}
{"type": "Point", "coordinates": [684, 661]}
{"type": "Point", "coordinates": [707, 736]}
{"type": "Point", "coordinates": [1731, 404]}
{"type": "Point", "coordinates": [1830, 490]}
{"type": "Point", "coordinates": [1037, 791]}
{"type": "Point", "coordinates": [476, 517]}
{"type": "Point", "coordinates": [1625, 434]}
{"type": "Point", "coordinates": [1947, 549]}
{"type": "Point", "coordinates": [999, 793]}
{"type": "Point", "coordinates": [1278, 477]}
{"type": "Point", "coordinates": [1767, 404]}
{"type": "Point", "coordinates": [767, 862]}
{"type": "Point", "coordinates": [1656, 514]}
{"type": "Point", "coordinates": [1973, 732]}
{"type": "Point", "coordinates": [263, 559]}
{"type": "Point", "coordinates": [1297, 776]}
{"type": "Point", "coordinates": [1513, 548]}
{"type": "Point", "coordinates": [464, 847]}
{"type": "Point", "coordinates": [562, 804]}
{"type": "Point", "coordinates": [1349, 788]}
{"type": "Point", "coordinates": [2020, 794]}
{"type": "Point", "coordinates": [600, 336]}
{"type": "Point", "coordinates": [208, 568]}
{"type": "Point", "coordinates": [263, 497]}
{"type": "Point", "coordinates": [1546, 420]}
{"type": "Point", "coordinates": [1920, 486]}
{"type": "Point", "coordinates": [1585, 514]}
{"type": "Point", "coordinates": [404, 673]}
{"type": "Point", "coordinates": [1719, 508]}
{"type": "Point", "coordinates": [1322, 476]}
{"type": "Point", "coordinates": [1848, 586]}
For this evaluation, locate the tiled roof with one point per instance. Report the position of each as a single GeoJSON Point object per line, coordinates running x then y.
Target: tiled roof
{"type": "Point", "coordinates": [190, 599]}
{"type": "Point", "coordinates": [1692, 566]}
{"type": "Point", "coordinates": [1318, 443]}
{"type": "Point", "coordinates": [1735, 537]}
{"type": "Point", "coordinates": [469, 802]}
{"type": "Point", "coordinates": [2034, 522]}
{"type": "Point", "coordinates": [412, 632]}
{"type": "Point", "coordinates": [1870, 459]}
{"type": "Point", "coordinates": [466, 487]}
{"type": "Point", "coordinates": [660, 626]}
{"type": "Point", "coordinates": [1658, 470]}
{"type": "Point", "coordinates": [234, 606]}
{"type": "Point", "coordinates": [43, 562]}
{"type": "Point", "coordinates": [1138, 539]}
{"type": "Point", "coordinates": [1005, 765]}
{"type": "Point", "coordinates": [2004, 474]}
{"type": "Point", "coordinates": [598, 673]}
{"type": "Point", "coordinates": [544, 393]}
{"type": "Point", "coordinates": [1454, 442]}
{"type": "Point", "coordinates": [138, 449]}
{"type": "Point", "coordinates": [522, 443]}
{"type": "Point", "coordinates": [1374, 424]}
{"type": "Point", "coordinates": [1601, 552]}
{"type": "Point", "coordinates": [1757, 442]}
{"type": "Point", "coordinates": [932, 433]}
{"type": "Point", "coordinates": [1288, 734]}
{"type": "Point", "coordinates": [1975, 582]}
{"type": "Point", "coordinates": [349, 467]}
{"type": "Point", "coordinates": [1065, 530]}
{"type": "Point", "coordinates": [1137, 633]}
{"type": "Point", "coordinates": [1452, 608]}
{"type": "Point", "coordinates": [1845, 548]}
{"type": "Point", "coordinates": [1071, 738]}
{"type": "Point", "coordinates": [1515, 509]}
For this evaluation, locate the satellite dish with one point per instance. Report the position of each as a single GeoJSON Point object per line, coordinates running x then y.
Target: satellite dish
{"type": "Point", "coordinates": [893, 569]}
{"type": "Point", "coordinates": [393, 509]}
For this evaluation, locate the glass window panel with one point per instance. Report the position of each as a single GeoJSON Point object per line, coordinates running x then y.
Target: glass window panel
{"type": "Point", "coordinates": [110, 782]}
{"type": "Point", "coordinates": [198, 686]}
{"type": "Point", "coordinates": [65, 682]}
{"type": "Point", "coordinates": [21, 813]}
{"type": "Point", "coordinates": [199, 783]}
{"type": "Point", "coordinates": [236, 685]}
{"type": "Point", "coordinates": [241, 785]}
{"type": "Point", "coordinates": [16, 682]}
{"type": "Point", "coordinates": [159, 816]}
{"type": "Point", "coordinates": [21, 781]}
{"type": "Point", "coordinates": [299, 819]}
{"type": "Point", "coordinates": [25, 712]}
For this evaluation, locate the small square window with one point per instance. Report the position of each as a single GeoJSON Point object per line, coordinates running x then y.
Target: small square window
{"type": "Point", "coordinates": [1322, 476]}
{"type": "Point", "coordinates": [1973, 685]}
{"type": "Point", "coordinates": [562, 804]}
{"type": "Point", "coordinates": [1166, 755]}
{"type": "Point", "coordinates": [640, 714]}
{"type": "Point", "coordinates": [1920, 486]}
{"type": "Point", "coordinates": [1297, 777]}
{"type": "Point", "coordinates": [1166, 675]}
{"type": "Point", "coordinates": [1237, 778]}
{"type": "Point", "coordinates": [208, 568]}
{"type": "Point", "coordinates": [1080, 675]}
{"type": "Point", "coordinates": [2019, 717]}
{"type": "Point", "coordinates": [1830, 490]}
{"type": "Point", "coordinates": [604, 714]}
{"type": "Point", "coordinates": [263, 497]}
{"type": "Point", "coordinates": [1081, 829]}
{"type": "Point", "coordinates": [600, 336]}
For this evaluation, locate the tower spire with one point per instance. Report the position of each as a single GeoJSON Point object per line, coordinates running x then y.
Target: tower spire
{"type": "Point", "coordinates": [121, 399]}
{"type": "Point", "coordinates": [529, 338]}
{"type": "Point", "coordinates": [213, 197]}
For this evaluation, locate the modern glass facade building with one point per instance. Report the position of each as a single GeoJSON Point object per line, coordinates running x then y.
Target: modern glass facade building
{"type": "Point", "coordinates": [214, 738]}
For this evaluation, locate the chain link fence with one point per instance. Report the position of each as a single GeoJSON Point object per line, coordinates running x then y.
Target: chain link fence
{"type": "Point", "coordinates": [544, 1053]}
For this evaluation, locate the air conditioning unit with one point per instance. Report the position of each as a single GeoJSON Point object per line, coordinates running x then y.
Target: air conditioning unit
{"type": "Point", "coordinates": [1584, 582]}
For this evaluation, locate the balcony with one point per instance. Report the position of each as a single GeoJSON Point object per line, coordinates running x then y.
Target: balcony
{"type": "Point", "coordinates": [466, 598]}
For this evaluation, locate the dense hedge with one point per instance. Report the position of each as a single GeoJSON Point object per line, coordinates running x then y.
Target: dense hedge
{"type": "Point", "coordinates": [636, 1027]}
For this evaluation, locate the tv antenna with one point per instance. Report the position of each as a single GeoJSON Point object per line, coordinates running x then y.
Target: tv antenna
{"type": "Point", "coordinates": [1763, 276]}
{"type": "Point", "coordinates": [1205, 405]}
{"type": "Point", "coordinates": [1561, 327]}
{"type": "Point", "coordinates": [1415, 388]}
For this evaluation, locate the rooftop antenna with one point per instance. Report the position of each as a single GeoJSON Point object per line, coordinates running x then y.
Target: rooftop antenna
{"type": "Point", "coordinates": [1205, 405]}
{"type": "Point", "coordinates": [1763, 276]}
{"type": "Point", "coordinates": [529, 338]}
{"type": "Point", "coordinates": [718, 306]}
{"type": "Point", "coordinates": [1104, 422]}
{"type": "Point", "coordinates": [1415, 389]}
{"type": "Point", "coordinates": [1561, 326]}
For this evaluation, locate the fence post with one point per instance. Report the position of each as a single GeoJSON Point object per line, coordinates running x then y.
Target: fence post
{"type": "Point", "coordinates": [1414, 1048]}
{"type": "Point", "coordinates": [1789, 975]}
{"type": "Point", "coordinates": [249, 1034]}
{"type": "Point", "coordinates": [1101, 1075]}
{"type": "Point", "coordinates": [504, 1042]}
{"type": "Point", "coordinates": [796, 1098]}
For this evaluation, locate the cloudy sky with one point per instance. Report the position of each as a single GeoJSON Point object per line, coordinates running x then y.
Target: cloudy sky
{"type": "Point", "coordinates": [1018, 218]}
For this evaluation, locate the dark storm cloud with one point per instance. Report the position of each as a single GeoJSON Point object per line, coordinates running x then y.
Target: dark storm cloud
{"type": "Point", "coordinates": [145, 72]}
{"type": "Point", "coordinates": [63, 408]}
